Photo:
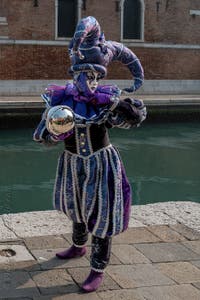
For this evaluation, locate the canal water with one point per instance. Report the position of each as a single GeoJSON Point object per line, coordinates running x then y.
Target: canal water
{"type": "Point", "coordinates": [162, 163]}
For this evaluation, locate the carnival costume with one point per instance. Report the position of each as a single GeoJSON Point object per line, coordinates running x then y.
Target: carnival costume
{"type": "Point", "coordinates": [91, 186]}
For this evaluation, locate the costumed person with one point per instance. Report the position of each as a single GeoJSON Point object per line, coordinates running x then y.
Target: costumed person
{"type": "Point", "coordinates": [91, 186]}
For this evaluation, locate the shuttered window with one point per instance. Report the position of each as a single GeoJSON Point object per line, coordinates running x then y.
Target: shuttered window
{"type": "Point", "coordinates": [66, 18]}
{"type": "Point", "coordinates": [132, 19]}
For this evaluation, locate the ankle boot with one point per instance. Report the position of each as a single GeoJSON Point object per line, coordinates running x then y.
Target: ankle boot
{"type": "Point", "coordinates": [93, 281]}
{"type": "Point", "coordinates": [72, 252]}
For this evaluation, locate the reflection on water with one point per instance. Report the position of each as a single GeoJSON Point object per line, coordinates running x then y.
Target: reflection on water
{"type": "Point", "coordinates": [162, 163]}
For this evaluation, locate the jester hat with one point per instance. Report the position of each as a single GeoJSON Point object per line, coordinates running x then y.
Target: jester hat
{"type": "Point", "coordinates": [89, 51]}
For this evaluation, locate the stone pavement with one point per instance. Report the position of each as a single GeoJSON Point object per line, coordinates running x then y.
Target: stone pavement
{"type": "Point", "coordinates": [156, 262]}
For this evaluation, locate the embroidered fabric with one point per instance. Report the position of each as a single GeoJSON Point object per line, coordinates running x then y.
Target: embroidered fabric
{"type": "Point", "coordinates": [94, 189]}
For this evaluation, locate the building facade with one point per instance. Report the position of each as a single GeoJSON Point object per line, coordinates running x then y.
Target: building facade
{"type": "Point", "coordinates": [164, 34]}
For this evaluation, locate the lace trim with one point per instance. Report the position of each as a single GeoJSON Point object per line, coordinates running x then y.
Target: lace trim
{"type": "Point", "coordinates": [88, 156]}
{"type": "Point", "coordinates": [73, 168]}
{"type": "Point", "coordinates": [98, 270]}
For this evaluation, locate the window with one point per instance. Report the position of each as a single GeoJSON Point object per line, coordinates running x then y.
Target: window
{"type": "Point", "coordinates": [67, 16]}
{"type": "Point", "coordinates": [132, 20]}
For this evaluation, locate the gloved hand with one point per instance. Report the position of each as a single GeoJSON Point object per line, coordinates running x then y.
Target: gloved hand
{"type": "Point", "coordinates": [132, 109]}
{"type": "Point", "coordinates": [136, 102]}
{"type": "Point", "coordinates": [141, 108]}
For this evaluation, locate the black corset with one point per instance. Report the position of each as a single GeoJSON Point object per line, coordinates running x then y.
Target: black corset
{"type": "Point", "coordinates": [98, 138]}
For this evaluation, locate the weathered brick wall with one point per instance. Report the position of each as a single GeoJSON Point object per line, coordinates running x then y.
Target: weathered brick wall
{"type": "Point", "coordinates": [170, 21]}
{"type": "Point", "coordinates": [163, 64]}
{"type": "Point", "coordinates": [49, 62]}
{"type": "Point", "coordinates": [27, 22]}
{"type": "Point", "coordinates": [33, 62]}
{"type": "Point", "coordinates": [166, 21]}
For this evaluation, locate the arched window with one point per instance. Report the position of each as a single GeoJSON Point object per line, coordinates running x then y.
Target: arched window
{"type": "Point", "coordinates": [67, 16]}
{"type": "Point", "coordinates": [132, 19]}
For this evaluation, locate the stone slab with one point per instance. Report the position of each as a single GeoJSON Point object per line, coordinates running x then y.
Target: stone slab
{"type": "Point", "coordinates": [166, 234]}
{"type": "Point", "coordinates": [21, 254]}
{"type": "Point", "coordinates": [188, 213]}
{"type": "Point", "coordinates": [46, 242]}
{"type": "Point", "coordinates": [137, 275]}
{"type": "Point", "coordinates": [131, 294]}
{"type": "Point", "coordinates": [135, 223]}
{"type": "Point", "coordinates": [173, 292]}
{"type": "Point", "coordinates": [195, 263]}
{"type": "Point", "coordinates": [21, 298]}
{"type": "Point", "coordinates": [53, 282]}
{"type": "Point", "coordinates": [167, 252]}
{"type": "Point", "coordinates": [128, 254]}
{"type": "Point", "coordinates": [47, 260]}
{"type": "Point", "coordinates": [31, 224]}
{"type": "Point", "coordinates": [193, 245]}
{"type": "Point", "coordinates": [80, 274]}
{"type": "Point", "coordinates": [167, 213]}
{"type": "Point", "coordinates": [135, 235]}
{"type": "Point", "coordinates": [187, 232]}
{"type": "Point", "coordinates": [180, 272]}
{"type": "Point", "coordinates": [152, 214]}
{"type": "Point", "coordinates": [197, 285]}
{"type": "Point", "coordinates": [5, 233]}
{"type": "Point", "coordinates": [17, 284]}
{"type": "Point", "coordinates": [28, 266]}
{"type": "Point", "coordinates": [70, 296]}
{"type": "Point", "coordinates": [163, 88]}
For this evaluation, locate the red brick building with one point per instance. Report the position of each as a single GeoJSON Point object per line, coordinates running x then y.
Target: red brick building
{"type": "Point", "coordinates": [164, 34]}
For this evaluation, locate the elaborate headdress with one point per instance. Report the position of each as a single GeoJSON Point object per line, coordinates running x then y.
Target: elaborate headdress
{"type": "Point", "coordinates": [90, 51]}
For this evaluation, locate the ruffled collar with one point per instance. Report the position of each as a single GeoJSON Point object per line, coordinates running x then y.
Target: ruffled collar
{"type": "Point", "coordinates": [71, 90]}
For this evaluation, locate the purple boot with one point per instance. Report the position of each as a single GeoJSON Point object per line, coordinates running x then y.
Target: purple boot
{"type": "Point", "coordinates": [93, 281]}
{"type": "Point", "coordinates": [72, 252]}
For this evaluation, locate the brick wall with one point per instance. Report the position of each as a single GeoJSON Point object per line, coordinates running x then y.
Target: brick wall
{"type": "Point", "coordinates": [51, 62]}
{"type": "Point", "coordinates": [27, 22]}
{"type": "Point", "coordinates": [169, 22]}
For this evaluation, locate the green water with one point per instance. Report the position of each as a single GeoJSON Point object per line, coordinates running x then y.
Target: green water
{"type": "Point", "coordinates": [162, 163]}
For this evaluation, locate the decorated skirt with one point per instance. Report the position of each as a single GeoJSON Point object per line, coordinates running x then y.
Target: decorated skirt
{"type": "Point", "coordinates": [94, 189]}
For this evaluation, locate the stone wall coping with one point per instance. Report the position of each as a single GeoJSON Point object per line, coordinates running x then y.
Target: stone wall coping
{"type": "Point", "coordinates": [51, 222]}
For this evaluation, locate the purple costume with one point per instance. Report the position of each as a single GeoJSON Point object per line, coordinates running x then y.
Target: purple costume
{"type": "Point", "coordinates": [91, 186]}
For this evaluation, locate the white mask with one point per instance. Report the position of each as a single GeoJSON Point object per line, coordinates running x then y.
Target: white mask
{"type": "Point", "coordinates": [92, 80]}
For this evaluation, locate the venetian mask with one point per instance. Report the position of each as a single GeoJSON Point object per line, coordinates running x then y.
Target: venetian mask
{"type": "Point", "coordinates": [87, 82]}
{"type": "Point", "coordinates": [92, 80]}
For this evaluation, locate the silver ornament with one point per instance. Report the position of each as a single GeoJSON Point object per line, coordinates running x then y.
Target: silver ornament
{"type": "Point", "coordinates": [60, 119]}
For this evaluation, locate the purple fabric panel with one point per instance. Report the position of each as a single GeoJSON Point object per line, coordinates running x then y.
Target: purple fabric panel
{"type": "Point", "coordinates": [63, 136]}
{"type": "Point", "coordinates": [127, 197]}
{"type": "Point", "coordinates": [93, 218]}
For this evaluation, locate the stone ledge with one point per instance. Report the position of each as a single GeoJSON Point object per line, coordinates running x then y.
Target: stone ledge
{"type": "Point", "coordinates": [45, 223]}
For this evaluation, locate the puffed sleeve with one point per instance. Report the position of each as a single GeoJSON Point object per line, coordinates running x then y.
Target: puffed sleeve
{"type": "Point", "coordinates": [128, 113]}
